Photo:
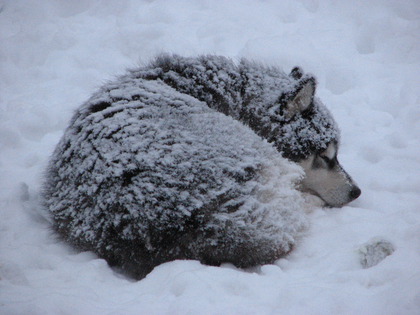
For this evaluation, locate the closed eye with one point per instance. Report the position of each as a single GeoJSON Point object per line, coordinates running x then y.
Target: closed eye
{"type": "Point", "coordinates": [330, 163]}
{"type": "Point", "coordinates": [326, 159]}
{"type": "Point", "coordinates": [320, 162]}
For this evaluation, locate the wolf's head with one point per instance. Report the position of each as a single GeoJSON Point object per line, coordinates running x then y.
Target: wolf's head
{"type": "Point", "coordinates": [310, 137]}
{"type": "Point", "coordinates": [325, 178]}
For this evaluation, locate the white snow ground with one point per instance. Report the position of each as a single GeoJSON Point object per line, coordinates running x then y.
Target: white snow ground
{"type": "Point", "coordinates": [366, 56]}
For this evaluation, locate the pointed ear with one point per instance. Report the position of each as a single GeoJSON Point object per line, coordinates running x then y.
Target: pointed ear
{"type": "Point", "coordinates": [296, 73]}
{"type": "Point", "coordinates": [301, 98]}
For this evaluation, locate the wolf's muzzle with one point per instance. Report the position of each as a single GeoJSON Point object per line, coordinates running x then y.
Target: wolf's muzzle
{"type": "Point", "coordinates": [355, 193]}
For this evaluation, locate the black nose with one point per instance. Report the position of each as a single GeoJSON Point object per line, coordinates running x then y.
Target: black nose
{"type": "Point", "coordinates": [355, 192]}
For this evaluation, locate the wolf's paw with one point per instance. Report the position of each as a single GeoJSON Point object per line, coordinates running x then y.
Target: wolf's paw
{"type": "Point", "coordinates": [374, 251]}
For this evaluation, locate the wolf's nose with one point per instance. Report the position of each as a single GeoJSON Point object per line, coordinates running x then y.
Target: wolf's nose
{"type": "Point", "coordinates": [355, 192]}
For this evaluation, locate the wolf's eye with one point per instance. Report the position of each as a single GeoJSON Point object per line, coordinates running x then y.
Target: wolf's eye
{"type": "Point", "coordinates": [323, 161]}
{"type": "Point", "coordinates": [326, 159]}
{"type": "Point", "coordinates": [330, 163]}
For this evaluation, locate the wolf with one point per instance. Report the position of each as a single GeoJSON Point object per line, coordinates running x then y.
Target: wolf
{"type": "Point", "coordinates": [195, 158]}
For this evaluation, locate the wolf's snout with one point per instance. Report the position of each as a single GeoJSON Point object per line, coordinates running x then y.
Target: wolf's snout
{"type": "Point", "coordinates": [355, 193]}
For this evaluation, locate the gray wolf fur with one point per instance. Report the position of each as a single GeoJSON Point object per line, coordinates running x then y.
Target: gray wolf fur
{"type": "Point", "coordinates": [194, 158]}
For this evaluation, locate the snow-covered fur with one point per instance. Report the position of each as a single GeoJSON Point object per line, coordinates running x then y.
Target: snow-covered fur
{"type": "Point", "coordinates": [185, 159]}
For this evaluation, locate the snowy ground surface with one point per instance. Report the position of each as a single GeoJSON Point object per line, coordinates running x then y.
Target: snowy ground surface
{"type": "Point", "coordinates": [366, 56]}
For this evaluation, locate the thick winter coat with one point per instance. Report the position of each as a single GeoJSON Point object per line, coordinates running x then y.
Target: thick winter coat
{"type": "Point", "coordinates": [186, 159]}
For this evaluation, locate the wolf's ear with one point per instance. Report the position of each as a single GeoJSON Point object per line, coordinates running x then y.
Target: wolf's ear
{"type": "Point", "coordinates": [301, 98]}
{"type": "Point", "coordinates": [296, 73]}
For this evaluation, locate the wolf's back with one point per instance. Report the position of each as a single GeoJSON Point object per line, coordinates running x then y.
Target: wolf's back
{"type": "Point", "coordinates": [145, 174]}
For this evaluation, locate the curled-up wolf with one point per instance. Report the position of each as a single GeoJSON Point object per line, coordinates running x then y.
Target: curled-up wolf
{"type": "Point", "coordinates": [195, 158]}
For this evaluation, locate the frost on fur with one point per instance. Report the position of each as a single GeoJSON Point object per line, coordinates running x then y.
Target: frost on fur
{"type": "Point", "coordinates": [182, 159]}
